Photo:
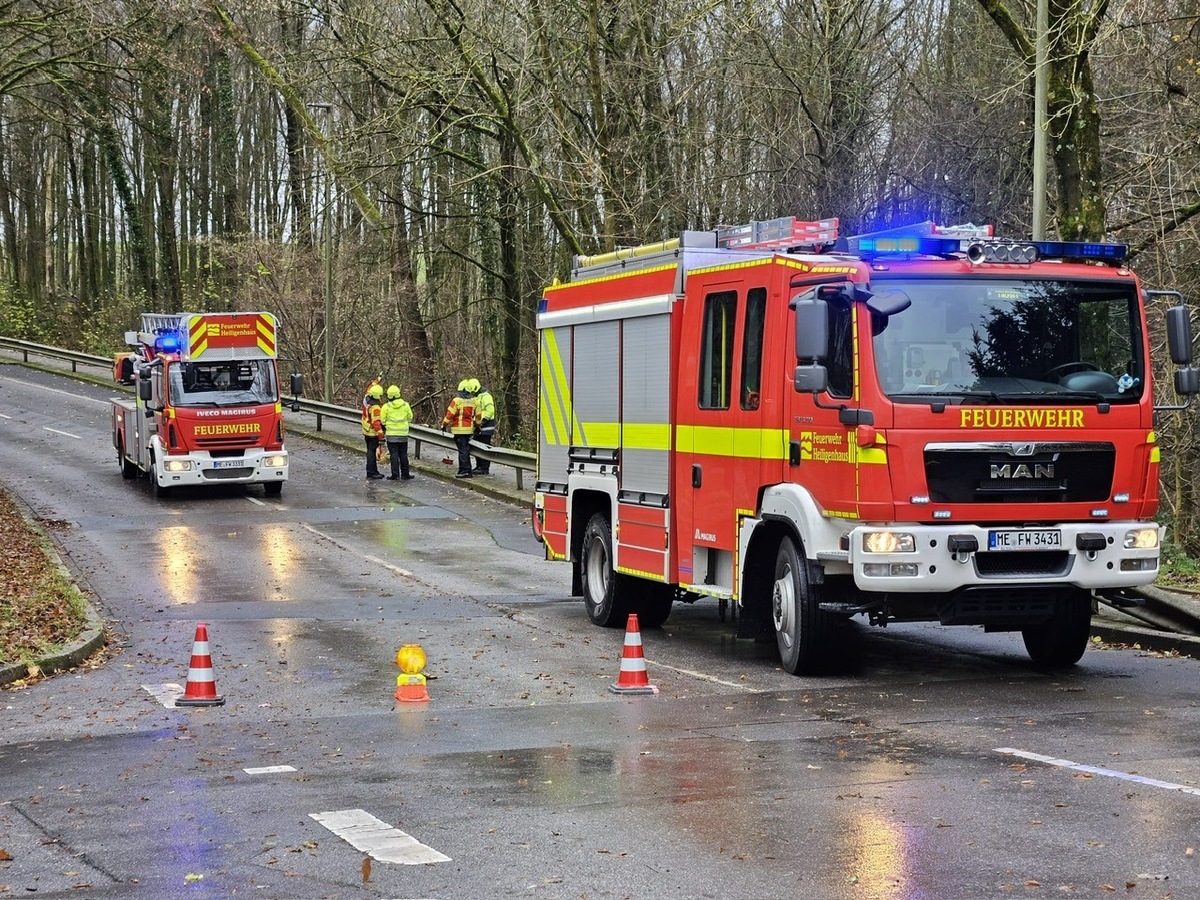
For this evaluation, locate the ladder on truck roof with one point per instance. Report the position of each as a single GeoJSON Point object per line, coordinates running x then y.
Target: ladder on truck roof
{"type": "Point", "coordinates": [788, 234]}
{"type": "Point", "coordinates": [156, 323]}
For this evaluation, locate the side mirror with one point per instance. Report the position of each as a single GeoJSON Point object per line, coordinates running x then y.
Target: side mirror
{"type": "Point", "coordinates": [297, 384]}
{"type": "Point", "coordinates": [1179, 335]}
{"type": "Point", "coordinates": [145, 390]}
{"type": "Point", "coordinates": [810, 379]}
{"type": "Point", "coordinates": [1187, 381]}
{"type": "Point", "coordinates": [812, 326]}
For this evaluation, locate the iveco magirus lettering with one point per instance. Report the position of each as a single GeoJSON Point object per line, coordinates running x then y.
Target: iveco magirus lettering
{"type": "Point", "coordinates": [207, 406]}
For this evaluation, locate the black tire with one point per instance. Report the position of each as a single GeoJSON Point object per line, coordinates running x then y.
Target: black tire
{"type": "Point", "coordinates": [272, 488]}
{"type": "Point", "coordinates": [1059, 642]}
{"type": "Point", "coordinates": [802, 630]}
{"type": "Point", "coordinates": [652, 602]}
{"type": "Point", "coordinates": [128, 470]}
{"type": "Point", "coordinates": [161, 492]}
{"type": "Point", "coordinates": [602, 596]}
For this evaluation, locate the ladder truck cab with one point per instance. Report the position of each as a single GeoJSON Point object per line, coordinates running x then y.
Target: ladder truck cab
{"type": "Point", "coordinates": [207, 406]}
{"type": "Point", "coordinates": [926, 424]}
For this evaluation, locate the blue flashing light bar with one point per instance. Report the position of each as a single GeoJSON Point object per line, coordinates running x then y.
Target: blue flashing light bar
{"type": "Point", "coordinates": [873, 246]}
{"type": "Point", "coordinates": [169, 342]}
{"type": "Point", "coordinates": [1080, 250]}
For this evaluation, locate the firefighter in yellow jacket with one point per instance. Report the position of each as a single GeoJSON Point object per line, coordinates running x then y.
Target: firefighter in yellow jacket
{"type": "Point", "coordinates": [372, 426]}
{"type": "Point", "coordinates": [485, 423]}
{"type": "Point", "coordinates": [460, 419]}
{"type": "Point", "coordinates": [397, 415]}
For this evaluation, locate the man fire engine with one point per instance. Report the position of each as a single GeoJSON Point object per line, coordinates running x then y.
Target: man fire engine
{"type": "Point", "coordinates": [920, 425]}
{"type": "Point", "coordinates": [207, 408]}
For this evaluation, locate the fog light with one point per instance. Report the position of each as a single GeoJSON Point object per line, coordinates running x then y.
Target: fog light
{"type": "Point", "coordinates": [891, 570]}
{"type": "Point", "coordinates": [1148, 564]}
{"type": "Point", "coordinates": [177, 465]}
{"type": "Point", "coordinates": [1141, 539]}
{"type": "Point", "coordinates": [905, 570]}
{"type": "Point", "coordinates": [888, 542]}
{"type": "Point", "coordinates": [876, 570]}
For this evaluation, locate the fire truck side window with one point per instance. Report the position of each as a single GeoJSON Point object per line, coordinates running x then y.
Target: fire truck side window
{"type": "Point", "coordinates": [752, 344]}
{"type": "Point", "coordinates": [716, 350]}
{"type": "Point", "coordinates": [840, 362]}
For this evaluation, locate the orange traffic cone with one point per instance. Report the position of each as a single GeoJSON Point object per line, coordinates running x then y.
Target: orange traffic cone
{"type": "Point", "coordinates": [201, 687]}
{"type": "Point", "coordinates": [632, 678]}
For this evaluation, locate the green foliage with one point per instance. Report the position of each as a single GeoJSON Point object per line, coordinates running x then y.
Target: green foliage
{"type": "Point", "coordinates": [1177, 569]}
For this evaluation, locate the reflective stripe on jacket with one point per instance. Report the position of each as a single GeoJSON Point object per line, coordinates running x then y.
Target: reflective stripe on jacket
{"type": "Point", "coordinates": [460, 416]}
{"type": "Point", "coordinates": [396, 415]}
{"type": "Point", "coordinates": [371, 423]}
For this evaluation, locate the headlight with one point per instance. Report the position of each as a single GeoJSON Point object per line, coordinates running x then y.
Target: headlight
{"type": "Point", "coordinates": [888, 542]}
{"type": "Point", "coordinates": [177, 465]}
{"type": "Point", "coordinates": [1141, 539]}
{"type": "Point", "coordinates": [275, 461]}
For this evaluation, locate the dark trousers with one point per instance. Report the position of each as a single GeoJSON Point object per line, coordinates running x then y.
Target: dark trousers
{"type": "Point", "coordinates": [398, 451]}
{"type": "Point", "coordinates": [463, 442]}
{"type": "Point", "coordinates": [484, 435]}
{"type": "Point", "coordinates": [372, 450]}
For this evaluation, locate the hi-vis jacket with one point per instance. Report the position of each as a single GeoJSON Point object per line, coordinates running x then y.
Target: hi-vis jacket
{"type": "Point", "coordinates": [396, 416]}
{"type": "Point", "coordinates": [371, 422]}
{"type": "Point", "coordinates": [460, 415]}
{"type": "Point", "coordinates": [485, 411]}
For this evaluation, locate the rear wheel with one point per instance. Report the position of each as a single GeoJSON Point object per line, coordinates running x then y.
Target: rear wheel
{"type": "Point", "coordinates": [1059, 642]}
{"type": "Point", "coordinates": [128, 469]}
{"type": "Point", "coordinates": [802, 630]}
{"type": "Point", "coordinates": [604, 601]}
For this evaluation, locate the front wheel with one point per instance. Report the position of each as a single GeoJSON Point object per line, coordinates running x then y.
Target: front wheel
{"type": "Point", "coordinates": [1059, 642]}
{"type": "Point", "coordinates": [272, 488]}
{"type": "Point", "coordinates": [605, 605]}
{"type": "Point", "coordinates": [802, 630]}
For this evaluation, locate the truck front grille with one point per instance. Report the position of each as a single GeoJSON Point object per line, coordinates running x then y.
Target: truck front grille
{"type": "Point", "coordinates": [1020, 472]}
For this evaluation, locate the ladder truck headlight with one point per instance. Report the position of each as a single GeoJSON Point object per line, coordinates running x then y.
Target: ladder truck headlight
{"type": "Point", "coordinates": [1141, 539]}
{"type": "Point", "coordinates": [888, 542]}
{"type": "Point", "coordinates": [177, 465]}
{"type": "Point", "coordinates": [275, 461]}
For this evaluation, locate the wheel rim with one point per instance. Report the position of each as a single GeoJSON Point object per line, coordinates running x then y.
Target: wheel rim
{"type": "Point", "coordinates": [597, 571]}
{"type": "Point", "coordinates": [783, 606]}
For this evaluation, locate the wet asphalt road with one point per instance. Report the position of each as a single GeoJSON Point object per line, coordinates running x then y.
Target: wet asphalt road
{"type": "Point", "coordinates": [933, 765]}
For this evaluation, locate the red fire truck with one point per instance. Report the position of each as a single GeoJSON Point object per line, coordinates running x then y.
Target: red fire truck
{"type": "Point", "coordinates": [927, 424]}
{"type": "Point", "coordinates": [207, 408]}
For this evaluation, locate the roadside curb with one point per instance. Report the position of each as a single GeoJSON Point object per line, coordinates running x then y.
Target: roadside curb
{"type": "Point", "coordinates": [90, 640]}
{"type": "Point", "coordinates": [1147, 638]}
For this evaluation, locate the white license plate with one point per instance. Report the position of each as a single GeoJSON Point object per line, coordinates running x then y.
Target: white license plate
{"type": "Point", "coordinates": [1025, 539]}
{"type": "Point", "coordinates": [227, 464]}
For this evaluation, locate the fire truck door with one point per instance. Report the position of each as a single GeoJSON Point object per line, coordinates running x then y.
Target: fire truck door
{"type": "Point", "coordinates": [720, 454]}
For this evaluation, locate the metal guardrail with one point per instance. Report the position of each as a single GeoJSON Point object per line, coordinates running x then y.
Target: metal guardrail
{"type": "Point", "coordinates": [520, 461]}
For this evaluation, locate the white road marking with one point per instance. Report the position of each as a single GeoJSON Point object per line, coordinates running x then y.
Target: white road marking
{"type": "Point", "coordinates": [166, 694]}
{"type": "Point", "coordinates": [404, 573]}
{"type": "Point", "coordinates": [63, 433]}
{"type": "Point", "coordinates": [1096, 770]}
{"type": "Point", "coordinates": [387, 565]}
{"type": "Point", "coordinates": [256, 501]}
{"type": "Point", "coordinates": [705, 677]}
{"type": "Point", "coordinates": [3, 416]}
{"type": "Point", "coordinates": [269, 770]}
{"type": "Point", "coordinates": [377, 839]}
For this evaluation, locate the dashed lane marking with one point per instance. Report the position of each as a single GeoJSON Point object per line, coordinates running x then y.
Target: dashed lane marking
{"type": "Point", "coordinates": [404, 573]}
{"type": "Point", "coordinates": [705, 677]}
{"type": "Point", "coordinates": [1096, 770]}
{"type": "Point", "coordinates": [63, 433]}
{"type": "Point", "coordinates": [377, 838]}
{"type": "Point", "coordinates": [269, 770]}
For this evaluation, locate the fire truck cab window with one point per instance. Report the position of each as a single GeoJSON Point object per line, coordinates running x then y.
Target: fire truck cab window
{"type": "Point", "coordinates": [839, 364]}
{"type": "Point", "coordinates": [752, 345]}
{"type": "Point", "coordinates": [716, 350]}
{"type": "Point", "coordinates": [223, 383]}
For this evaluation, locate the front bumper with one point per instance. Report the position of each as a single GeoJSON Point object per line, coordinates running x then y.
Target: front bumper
{"type": "Point", "coordinates": [941, 559]}
{"type": "Point", "coordinates": [254, 466]}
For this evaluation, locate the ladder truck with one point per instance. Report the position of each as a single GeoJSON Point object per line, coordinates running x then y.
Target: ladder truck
{"type": "Point", "coordinates": [929, 424]}
{"type": "Point", "coordinates": [206, 408]}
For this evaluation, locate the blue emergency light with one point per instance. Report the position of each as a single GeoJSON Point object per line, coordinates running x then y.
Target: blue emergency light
{"type": "Point", "coordinates": [168, 342]}
{"type": "Point", "coordinates": [926, 246]}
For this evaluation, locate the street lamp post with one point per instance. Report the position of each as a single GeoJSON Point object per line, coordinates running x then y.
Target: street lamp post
{"type": "Point", "coordinates": [328, 241]}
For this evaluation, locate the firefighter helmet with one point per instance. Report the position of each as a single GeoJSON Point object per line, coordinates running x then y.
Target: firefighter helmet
{"type": "Point", "coordinates": [464, 386]}
{"type": "Point", "coordinates": [375, 390]}
{"type": "Point", "coordinates": [473, 385]}
{"type": "Point", "coordinates": [393, 393]}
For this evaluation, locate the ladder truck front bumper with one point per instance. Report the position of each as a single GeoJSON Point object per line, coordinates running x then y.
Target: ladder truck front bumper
{"type": "Point", "coordinates": [200, 467]}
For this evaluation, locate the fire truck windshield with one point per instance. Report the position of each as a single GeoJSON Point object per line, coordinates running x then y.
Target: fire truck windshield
{"type": "Point", "coordinates": [989, 340]}
{"type": "Point", "coordinates": [223, 383]}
